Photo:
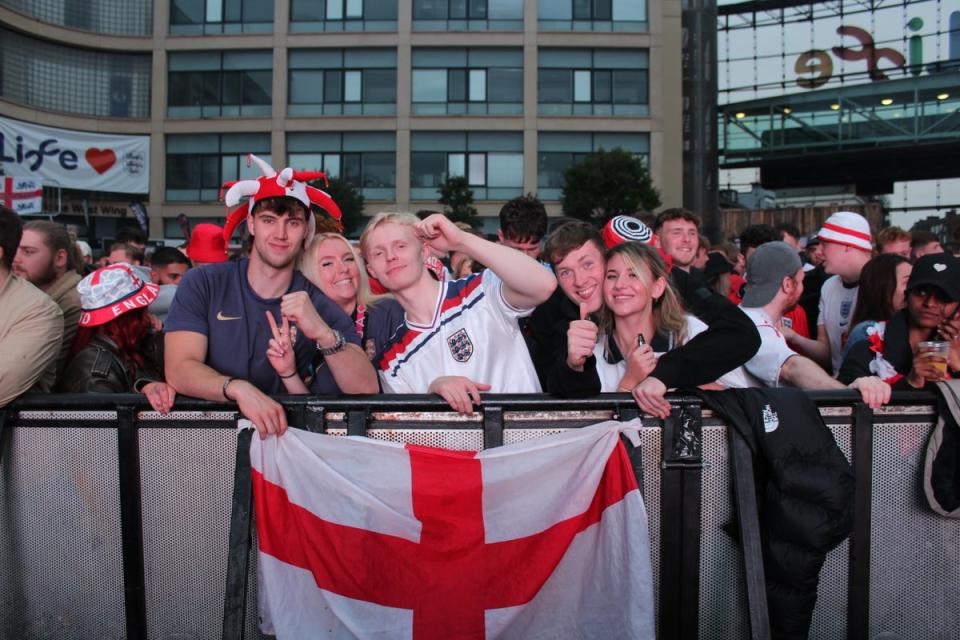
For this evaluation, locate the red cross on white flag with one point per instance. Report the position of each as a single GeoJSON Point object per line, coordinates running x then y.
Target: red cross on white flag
{"type": "Point", "coordinates": [366, 539]}
{"type": "Point", "coordinates": [23, 195]}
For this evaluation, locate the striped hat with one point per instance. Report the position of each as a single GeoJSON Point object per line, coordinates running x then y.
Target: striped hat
{"type": "Point", "coordinates": [847, 228]}
{"type": "Point", "coordinates": [622, 229]}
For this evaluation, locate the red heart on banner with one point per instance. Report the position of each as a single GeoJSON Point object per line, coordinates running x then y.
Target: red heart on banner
{"type": "Point", "coordinates": [100, 159]}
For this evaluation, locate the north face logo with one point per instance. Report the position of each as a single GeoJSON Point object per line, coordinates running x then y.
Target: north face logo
{"type": "Point", "coordinates": [461, 347]}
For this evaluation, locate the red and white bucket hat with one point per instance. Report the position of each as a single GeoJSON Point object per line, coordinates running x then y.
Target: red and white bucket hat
{"type": "Point", "coordinates": [286, 184]}
{"type": "Point", "coordinates": [111, 291]}
{"type": "Point", "coordinates": [849, 229]}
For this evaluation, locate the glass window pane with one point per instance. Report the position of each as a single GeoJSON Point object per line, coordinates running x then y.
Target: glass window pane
{"type": "Point", "coordinates": [231, 10]}
{"type": "Point", "coordinates": [581, 9]}
{"type": "Point", "coordinates": [506, 85]}
{"type": "Point", "coordinates": [509, 9]}
{"type": "Point", "coordinates": [478, 85]}
{"type": "Point", "coordinates": [427, 169]}
{"type": "Point", "coordinates": [429, 85]}
{"type": "Point", "coordinates": [629, 87]}
{"type": "Point", "coordinates": [256, 87]}
{"type": "Point", "coordinates": [601, 10]}
{"type": "Point", "coordinates": [379, 170]}
{"type": "Point", "coordinates": [306, 10]}
{"type": "Point", "coordinates": [334, 9]}
{"type": "Point", "coordinates": [477, 169]}
{"type": "Point", "coordinates": [354, 8]}
{"type": "Point", "coordinates": [456, 165]}
{"type": "Point", "coordinates": [550, 168]}
{"type": "Point", "coordinates": [306, 87]}
{"type": "Point", "coordinates": [478, 9]}
{"type": "Point", "coordinates": [558, 10]}
{"type": "Point", "coordinates": [186, 11]}
{"type": "Point", "coordinates": [351, 86]}
{"type": "Point", "coordinates": [332, 86]}
{"type": "Point", "coordinates": [258, 10]}
{"type": "Point", "coordinates": [581, 86]}
{"type": "Point", "coordinates": [555, 86]}
{"type": "Point", "coordinates": [380, 9]}
{"type": "Point", "coordinates": [380, 85]}
{"type": "Point", "coordinates": [306, 161]}
{"type": "Point", "coordinates": [210, 84]}
{"type": "Point", "coordinates": [601, 87]}
{"type": "Point", "coordinates": [350, 169]}
{"type": "Point", "coordinates": [506, 170]}
{"type": "Point", "coordinates": [429, 9]}
{"type": "Point", "coordinates": [214, 11]}
{"type": "Point", "coordinates": [232, 90]}
{"type": "Point", "coordinates": [331, 164]}
{"type": "Point", "coordinates": [630, 10]}
{"type": "Point", "coordinates": [457, 85]}
{"type": "Point", "coordinates": [458, 9]}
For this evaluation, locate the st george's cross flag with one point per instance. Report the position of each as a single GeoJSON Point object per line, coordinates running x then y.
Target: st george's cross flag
{"type": "Point", "coordinates": [361, 538]}
{"type": "Point", "coordinates": [23, 195]}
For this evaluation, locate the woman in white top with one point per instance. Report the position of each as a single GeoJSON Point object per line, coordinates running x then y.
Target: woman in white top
{"type": "Point", "coordinates": [642, 318]}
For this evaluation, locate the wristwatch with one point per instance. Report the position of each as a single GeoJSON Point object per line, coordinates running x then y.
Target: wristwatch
{"type": "Point", "coordinates": [339, 345]}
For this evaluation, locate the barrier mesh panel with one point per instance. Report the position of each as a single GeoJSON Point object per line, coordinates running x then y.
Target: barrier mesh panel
{"type": "Point", "coordinates": [61, 571]}
{"type": "Point", "coordinates": [830, 615]}
{"type": "Point", "coordinates": [650, 445]}
{"type": "Point", "coordinates": [187, 486]}
{"type": "Point", "coordinates": [723, 601]}
{"type": "Point", "coordinates": [913, 580]}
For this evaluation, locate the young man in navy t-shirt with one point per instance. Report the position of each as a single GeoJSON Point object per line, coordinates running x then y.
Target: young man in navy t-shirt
{"type": "Point", "coordinates": [217, 330]}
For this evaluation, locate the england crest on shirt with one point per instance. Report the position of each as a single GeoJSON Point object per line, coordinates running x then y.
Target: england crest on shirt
{"type": "Point", "coordinates": [845, 307]}
{"type": "Point", "coordinates": [461, 347]}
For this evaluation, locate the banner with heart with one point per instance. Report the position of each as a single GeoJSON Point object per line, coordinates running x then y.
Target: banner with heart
{"type": "Point", "coordinates": [75, 159]}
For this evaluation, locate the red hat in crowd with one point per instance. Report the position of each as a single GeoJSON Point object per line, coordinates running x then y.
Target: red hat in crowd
{"type": "Point", "coordinates": [207, 244]}
{"type": "Point", "coordinates": [849, 229]}
{"type": "Point", "coordinates": [620, 229]}
{"type": "Point", "coordinates": [111, 291]}
{"type": "Point", "coordinates": [286, 184]}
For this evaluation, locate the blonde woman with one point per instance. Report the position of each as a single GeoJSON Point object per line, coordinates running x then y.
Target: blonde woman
{"type": "Point", "coordinates": [641, 319]}
{"type": "Point", "coordinates": [332, 264]}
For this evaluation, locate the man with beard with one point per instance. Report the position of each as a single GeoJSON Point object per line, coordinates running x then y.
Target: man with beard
{"type": "Point", "coordinates": [893, 349]}
{"type": "Point", "coordinates": [774, 286]}
{"type": "Point", "coordinates": [46, 257]}
{"type": "Point", "coordinates": [219, 325]}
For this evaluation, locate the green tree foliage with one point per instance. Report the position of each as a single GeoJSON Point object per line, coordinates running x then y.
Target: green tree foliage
{"type": "Point", "coordinates": [456, 196]}
{"type": "Point", "coordinates": [606, 184]}
{"type": "Point", "coordinates": [348, 198]}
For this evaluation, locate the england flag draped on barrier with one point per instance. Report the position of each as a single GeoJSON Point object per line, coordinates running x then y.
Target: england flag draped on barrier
{"type": "Point", "coordinates": [369, 539]}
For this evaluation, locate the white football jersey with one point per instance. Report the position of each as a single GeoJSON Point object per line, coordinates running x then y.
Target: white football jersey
{"type": "Point", "coordinates": [836, 310]}
{"type": "Point", "coordinates": [474, 334]}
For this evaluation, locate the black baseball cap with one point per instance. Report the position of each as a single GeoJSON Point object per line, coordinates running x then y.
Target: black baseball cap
{"type": "Point", "coordinates": [941, 270]}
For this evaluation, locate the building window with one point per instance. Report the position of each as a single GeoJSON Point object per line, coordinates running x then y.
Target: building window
{"type": "Point", "coordinates": [467, 81]}
{"type": "Point", "coordinates": [600, 82]}
{"type": "Point", "coordinates": [207, 84]}
{"type": "Point", "coordinates": [468, 15]}
{"type": "Point", "coordinates": [366, 159]}
{"type": "Point", "coordinates": [338, 81]}
{"type": "Point", "coordinates": [198, 165]}
{"type": "Point", "coordinates": [592, 15]}
{"type": "Point", "coordinates": [129, 18]}
{"type": "Point", "coordinates": [343, 15]}
{"type": "Point", "coordinates": [196, 17]}
{"type": "Point", "coordinates": [492, 162]}
{"type": "Point", "coordinates": [558, 150]}
{"type": "Point", "coordinates": [68, 79]}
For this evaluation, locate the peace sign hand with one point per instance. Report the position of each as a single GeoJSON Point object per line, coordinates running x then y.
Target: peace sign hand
{"type": "Point", "coordinates": [280, 350]}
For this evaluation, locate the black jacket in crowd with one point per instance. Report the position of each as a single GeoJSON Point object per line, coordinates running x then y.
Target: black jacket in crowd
{"type": "Point", "coordinates": [896, 350]}
{"type": "Point", "coordinates": [730, 340]}
{"type": "Point", "coordinates": [804, 494]}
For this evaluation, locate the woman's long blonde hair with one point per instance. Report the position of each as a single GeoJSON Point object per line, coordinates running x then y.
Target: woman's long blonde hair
{"type": "Point", "coordinates": [308, 265]}
{"type": "Point", "coordinates": [668, 313]}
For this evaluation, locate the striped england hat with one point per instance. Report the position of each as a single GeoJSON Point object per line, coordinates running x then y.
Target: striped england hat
{"type": "Point", "coordinates": [847, 228]}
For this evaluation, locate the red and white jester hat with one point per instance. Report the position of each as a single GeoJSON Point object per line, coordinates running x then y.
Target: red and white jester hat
{"type": "Point", "coordinates": [286, 184]}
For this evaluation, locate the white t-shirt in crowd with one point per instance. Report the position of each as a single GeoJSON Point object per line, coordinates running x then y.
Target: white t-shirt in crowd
{"type": "Point", "coordinates": [763, 368]}
{"type": "Point", "coordinates": [474, 333]}
{"type": "Point", "coordinates": [612, 373]}
{"type": "Point", "coordinates": [836, 310]}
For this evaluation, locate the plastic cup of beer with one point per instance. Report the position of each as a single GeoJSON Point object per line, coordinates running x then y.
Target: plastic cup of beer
{"type": "Point", "coordinates": [937, 352]}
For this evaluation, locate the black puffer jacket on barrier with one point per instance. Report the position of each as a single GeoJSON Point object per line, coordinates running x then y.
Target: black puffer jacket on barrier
{"type": "Point", "coordinates": [804, 490]}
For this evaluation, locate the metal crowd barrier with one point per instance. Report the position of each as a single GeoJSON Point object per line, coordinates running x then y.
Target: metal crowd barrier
{"type": "Point", "coordinates": [119, 522]}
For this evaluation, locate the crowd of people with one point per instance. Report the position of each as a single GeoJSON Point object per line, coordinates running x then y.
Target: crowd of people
{"type": "Point", "coordinates": [425, 305]}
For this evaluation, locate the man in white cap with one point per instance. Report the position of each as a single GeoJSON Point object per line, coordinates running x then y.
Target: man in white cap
{"type": "Point", "coordinates": [847, 247]}
{"type": "Point", "coordinates": [218, 330]}
{"type": "Point", "coordinates": [774, 285]}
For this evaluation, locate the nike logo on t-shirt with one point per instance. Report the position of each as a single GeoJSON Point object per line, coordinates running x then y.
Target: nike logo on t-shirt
{"type": "Point", "coordinates": [220, 316]}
